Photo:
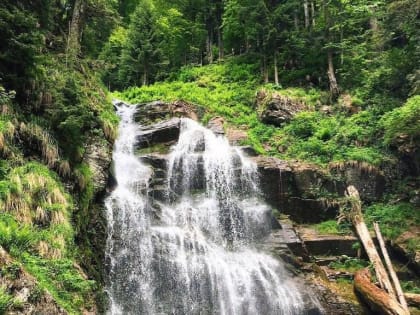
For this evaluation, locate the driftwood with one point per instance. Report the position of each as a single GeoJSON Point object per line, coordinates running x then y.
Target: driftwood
{"type": "Point", "coordinates": [356, 217]}
{"type": "Point", "coordinates": [413, 299]}
{"type": "Point", "coordinates": [394, 278]}
{"type": "Point", "coordinates": [375, 297]}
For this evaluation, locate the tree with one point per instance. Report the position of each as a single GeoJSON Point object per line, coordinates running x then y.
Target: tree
{"type": "Point", "coordinates": [141, 57]}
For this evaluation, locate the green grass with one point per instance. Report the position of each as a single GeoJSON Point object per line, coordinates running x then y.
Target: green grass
{"type": "Point", "coordinates": [229, 89]}
{"type": "Point", "coordinates": [332, 227]}
{"type": "Point", "coordinates": [6, 300]}
{"type": "Point", "coordinates": [62, 280]}
{"type": "Point", "coordinates": [394, 219]}
{"type": "Point", "coordinates": [349, 264]}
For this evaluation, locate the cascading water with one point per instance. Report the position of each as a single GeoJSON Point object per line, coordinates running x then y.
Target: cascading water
{"type": "Point", "coordinates": [195, 252]}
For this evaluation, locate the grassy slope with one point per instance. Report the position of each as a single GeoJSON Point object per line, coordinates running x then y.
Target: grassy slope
{"type": "Point", "coordinates": [229, 90]}
{"type": "Point", "coordinates": [41, 171]}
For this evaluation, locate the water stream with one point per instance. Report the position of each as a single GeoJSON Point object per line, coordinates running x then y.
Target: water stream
{"type": "Point", "coordinates": [195, 252]}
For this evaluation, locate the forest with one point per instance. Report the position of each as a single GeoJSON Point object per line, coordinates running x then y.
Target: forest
{"type": "Point", "coordinates": [350, 71]}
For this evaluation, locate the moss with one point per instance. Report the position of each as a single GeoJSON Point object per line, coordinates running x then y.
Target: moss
{"type": "Point", "coordinates": [157, 148]}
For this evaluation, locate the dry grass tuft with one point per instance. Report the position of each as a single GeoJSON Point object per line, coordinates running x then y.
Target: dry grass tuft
{"type": "Point", "coordinates": [110, 131]}
{"type": "Point", "coordinates": [42, 217]}
{"type": "Point", "coordinates": [362, 167]}
{"type": "Point", "coordinates": [57, 218]}
{"type": "Point", "coordinates": [64, 168]}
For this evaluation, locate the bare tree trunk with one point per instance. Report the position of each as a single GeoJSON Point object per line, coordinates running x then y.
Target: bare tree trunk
{"type": "Point", "coordinates": [306, 11]}
{"type": "Point", "coordinates": [313, 12]}
{"type": "Point", "coordinates": [388, 263]}
{"type": "Point", "coordinates": [376, 298]}
{"type": "Point", "coordinates": [145, 76]}
{"type": "Point", "coordinates": [210, 47]}
{"type": "Point", "coordinates": [75, 29]}
{"type": "Point", "coordinates": [276, 69]}
{"type": "Point", "coordinates": [265, 69]}
{"type": "Point", "coordinates": [220, 42]}
{"type": "Point", "coordinates": [296, 20]}
{"type": "Point", "coordinates": [356, 217]}
{"type": "Point", "coordinates": [335, 91]}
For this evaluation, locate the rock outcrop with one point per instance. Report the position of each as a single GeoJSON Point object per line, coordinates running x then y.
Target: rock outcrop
{"type": "Point", "coordinates": [157, 111]}
{"type": "Point", "coordinates": [277, 109]}
{"type": "Point", "coordinates": [161, 132]}
{"type": "Point", "coordinates": [300, 190]}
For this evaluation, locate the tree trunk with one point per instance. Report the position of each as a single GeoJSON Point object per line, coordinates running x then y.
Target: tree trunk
{"type": "Point", "coordinates": [276, 69]}
{"type": "Point", "coordinates": [335, 91]}
{"type": "Point", "coordinates": [296, 20]}
{"type": "Point", "coordinates": [306, 11]}
{"type": "Point", "coordinates": [356, 217]}
{"type": "Point", "coordinates": [75, 29]}
{"type": "Point", "coordinates": [413, 299]}
{"type": "Point", "coordinates": [145, 75]}
{"type": "Point", "coordinates": [376, 298]}
{"type": "Point", "coordinates": [388, 263]}
{"type": "Point", "coordinates": [210, 47]}
{"type": "Point", "coordinates": [220, 42]}
{"type": "Point", "coordinates": [265, 69]}
{"type": "Point", "coordinates": [313, 12]}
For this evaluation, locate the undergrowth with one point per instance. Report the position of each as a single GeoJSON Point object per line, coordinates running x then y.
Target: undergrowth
{"type": "Point", "coordinates": [229, 89]}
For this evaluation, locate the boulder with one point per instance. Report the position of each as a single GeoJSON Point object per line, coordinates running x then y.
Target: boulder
{"type": "Point", "coordinates": [277, 109]}
{"type": "Point", "coordinates": [162, 132]}
{"type": "Point", "coordinates": [157, 161]}
{"type": "Point", "coordinates": [216, 124]}
{"type": "Point", "coordinates": [153, 112]}
{"type": "Point", "coordinates": [236, 136]}
{"type": "Point", "coordinates": [98, 156]}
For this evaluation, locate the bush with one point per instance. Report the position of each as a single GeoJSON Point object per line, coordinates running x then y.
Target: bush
{"type": "Point", "coordinates": [403, 122]}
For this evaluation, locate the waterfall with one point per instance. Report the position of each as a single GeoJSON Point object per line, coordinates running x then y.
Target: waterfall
{"type": "Point", "coordinates": [196, 250]}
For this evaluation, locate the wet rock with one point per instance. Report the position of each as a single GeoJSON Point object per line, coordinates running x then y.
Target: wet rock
{"type": "Point", "coordinates": [162, 132]}
{"type": "Point", "coordinates": [249, 151]}
{"type": "Point", "coordinates": [236, 136]}
{"type": "Point", "coordinates": [98, 155]}
{"type": "Point", "coordinates": [153, 112]}
{"type": "Point", "coordinates": [303, 210]}
{"type": "Point", "coordinates": [298, 189]}
{"type": "Point", "coordinates": [156, 160]}
{"type": "Point", "coordinates": [327, 244]}
{"type": "Point", "coordinates": [277, 109]}
{"type": "Point", "coordinates": [216, 124]}
{"type": "Point", "coordinates": [332, 303]}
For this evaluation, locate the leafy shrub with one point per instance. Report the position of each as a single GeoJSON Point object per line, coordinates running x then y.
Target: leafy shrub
{"type": "Point", "coordinates": [403, 121]}
{"type": "Point", "coordinates": [393, 219]}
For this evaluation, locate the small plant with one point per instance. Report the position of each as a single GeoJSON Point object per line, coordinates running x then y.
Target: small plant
{"type": "Point", "coordinates": [13, 271]}
{"type": "Point", "coordinates": [6, 300]}
{"type": "Point", "coordinates": [349, 264]}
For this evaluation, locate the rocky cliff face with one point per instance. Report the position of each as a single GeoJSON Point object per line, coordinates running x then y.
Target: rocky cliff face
{"type": "Point", "coordinates": [276, 109]}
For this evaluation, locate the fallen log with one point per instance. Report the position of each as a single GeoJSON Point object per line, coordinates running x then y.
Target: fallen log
{"type": "Point", "coordinates": [413, 299]}
{"type": "Point", "coordinates": [375, 297]}
{"type": "Point", "coordinates": [356, 217]}
{"type": "Point", "coordinates": [392, 273]}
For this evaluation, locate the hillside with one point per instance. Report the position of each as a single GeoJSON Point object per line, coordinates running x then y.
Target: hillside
{"type": "Point", "coordinates": [330, 89]}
